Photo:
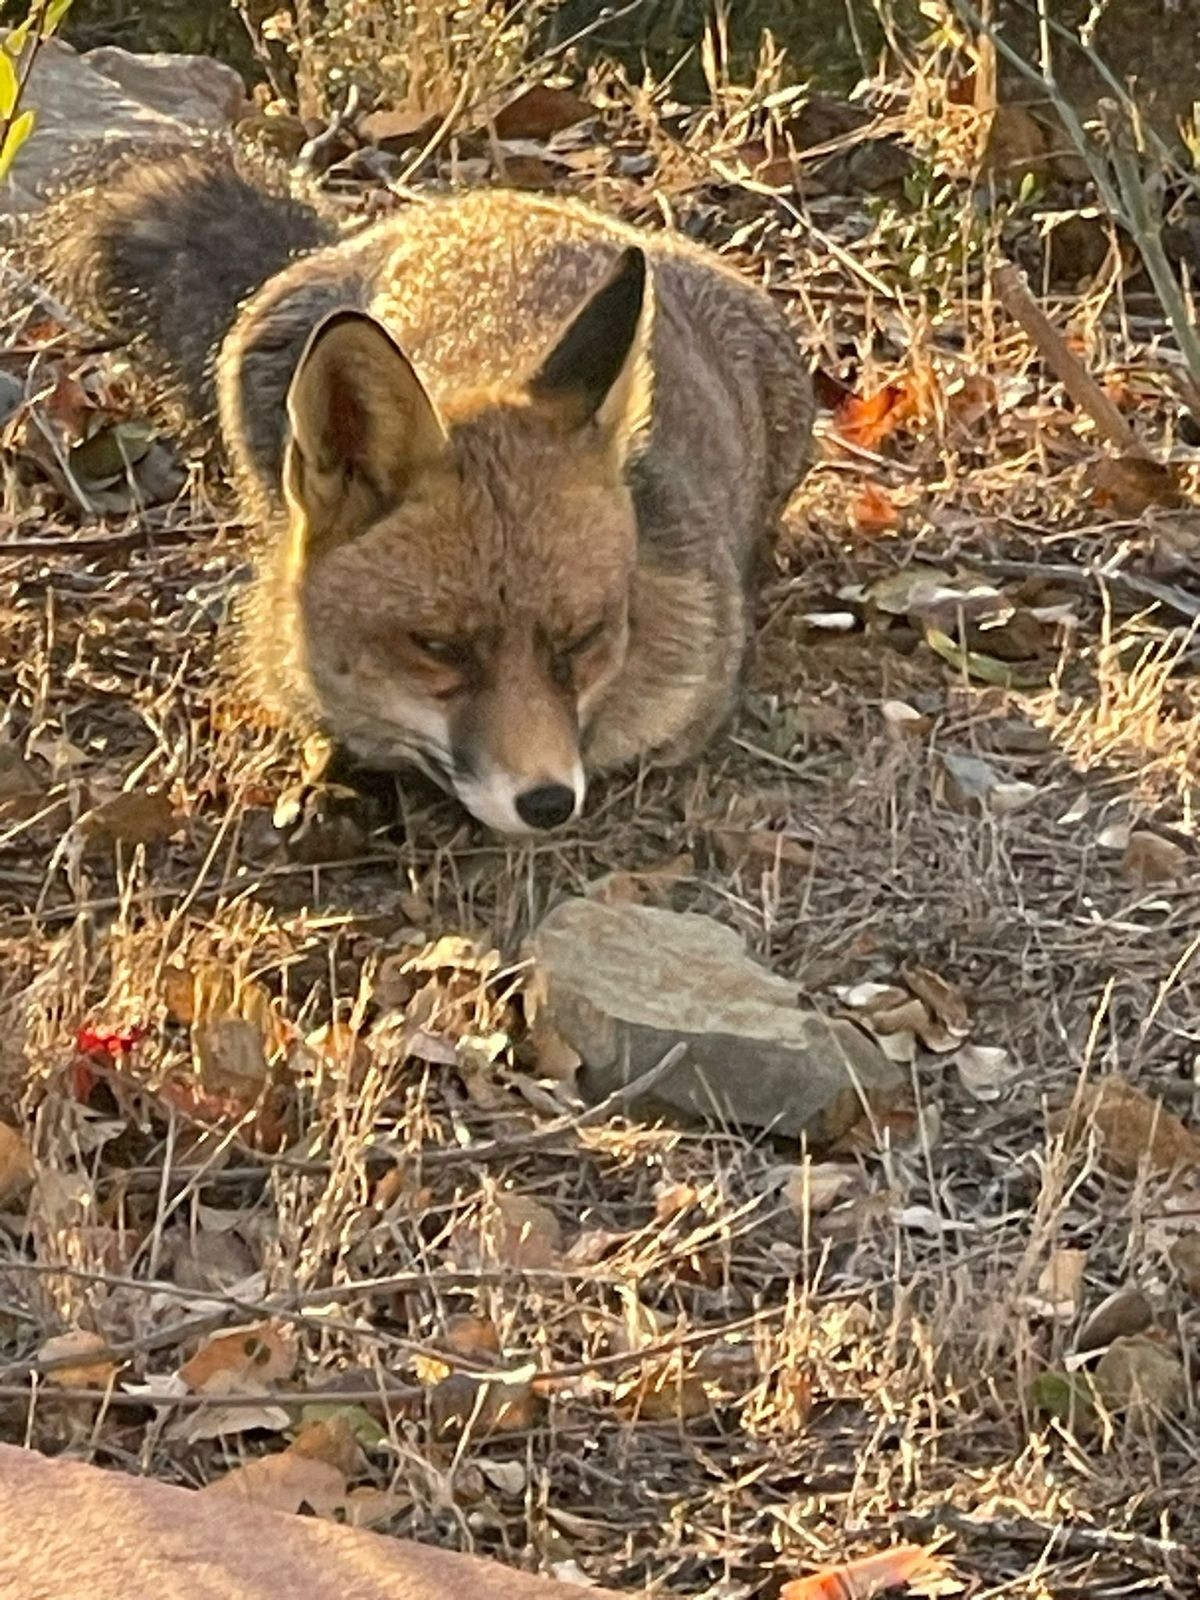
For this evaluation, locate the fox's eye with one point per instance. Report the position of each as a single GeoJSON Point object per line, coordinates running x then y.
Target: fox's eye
{"type": "Point", "coordinates": [444, 651]}
{"type": "Point", "coordinates": [583, 642]}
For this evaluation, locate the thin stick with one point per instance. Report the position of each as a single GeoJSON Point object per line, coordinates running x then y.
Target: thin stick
{"type": "Point", "coordinates": [1087, 394]}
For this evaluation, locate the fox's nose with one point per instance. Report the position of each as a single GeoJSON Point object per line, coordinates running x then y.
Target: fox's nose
{"type": "Point", "coordinates": [546, 806]}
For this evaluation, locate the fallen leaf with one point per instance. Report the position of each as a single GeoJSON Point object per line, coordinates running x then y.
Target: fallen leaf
{"type": "Point", "coordinates": [87, 1362]}
{"type": "Point", "coordinates": [984, 1070]}
{"type": "Point", "coordinates": [284, 1482]}
{"type": "Point", "coordinates": [331, 1439]}
{"type": "Point", "coordinates": [132, 817]}
{"type": "Point", "coordinates": [517, 1232]}
{"type": "Point", "coordinates": [16, 1164]}
{"type": "Point", "coordinates": [897, 593]}
{"type": "Point", "coordinates": [540, 111]}
{"type": "Point", "coordinates": [1137, 1372]}
{"type": "Point", "coordinates": [944, 1003]}
{"type": "Point", "coordinates": [976, 664]}
{"type": "Point", "coordinates": [230, 1058]}
{"type": "Point", "coordinates": [1149, 859]}
{"type": "Point", "coordinates": [461, 1402]}
{"type": "Point", "coordinates": [1115, 836]}
{"type": "Point", "coordinates": [868, 420]}
{"type": "Point", "coordinates": [873, 511]}
{"type": "Point", "coordinates": [905, 721]}
{"type": "Point", "coordinates": [663, 1392]}
{"type": "Point", "coordinates": [816, 1187]}
{"type": "Point", "coordinates": [1120, 1314]}
{"type": "Point", "coordinates": [509, 1477]}
{"type": "Point", "coordinates": [1130, 485]}
{"type": "Point", "coordinates": [867, 1576]}
{"type": "Point", "coordinates": [473, 1337]}
{"type": "Point", "coordinates": [1059, 1286]}
{"type": "Point", "coordinates": [1068, 1397]}
{"type": "Point", "coordinates": [1130, 1128]}
{"type": "Point", "coordinates": [243, 1361]}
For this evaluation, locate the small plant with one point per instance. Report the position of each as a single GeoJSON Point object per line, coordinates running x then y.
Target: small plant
{"type": "Point", "coordinates": [17, 56]}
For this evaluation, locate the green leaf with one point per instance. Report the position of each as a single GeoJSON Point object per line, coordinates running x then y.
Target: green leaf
{"type": "Point", "coordinates": [18, 131]}
{"type": "Point", "coordinates": [15, 41]}
{"type": "Point", "coordinates": [55, 12]}
{"type": "Point", "coordinates": [9, 85]}
{"type": "Point", "coordinates": [985, 669]}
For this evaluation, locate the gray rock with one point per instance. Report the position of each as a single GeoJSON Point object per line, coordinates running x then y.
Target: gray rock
{"type": "Point", "coordinates": [194, 89]}
{"type": "Point", "coordinates": [622, 984]}
{"type": "Point", "coordinates": [112, 96]}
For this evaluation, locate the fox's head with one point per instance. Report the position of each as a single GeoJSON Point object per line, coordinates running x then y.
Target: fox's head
{"type": "Point", "coordinates": [463, 576]}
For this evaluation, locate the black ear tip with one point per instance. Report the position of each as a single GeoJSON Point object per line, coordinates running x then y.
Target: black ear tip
{"type": "Point", "coordinates": [632, 266]}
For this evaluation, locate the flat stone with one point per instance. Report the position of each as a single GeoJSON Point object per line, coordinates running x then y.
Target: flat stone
{"type": "Point", "coordinates": [117, 98]}
{"type": "Point", "coordinates": [622, 984]}
{"type": "Point", "coordinates": [72, 1530]}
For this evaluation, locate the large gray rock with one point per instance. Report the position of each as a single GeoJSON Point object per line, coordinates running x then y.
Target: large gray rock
{"type": "Point", "coordinates": [622, 984]}
{"type": "Point", "coordinates": [113, 96]}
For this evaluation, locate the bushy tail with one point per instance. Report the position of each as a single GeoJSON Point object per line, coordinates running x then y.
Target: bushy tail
{"type": "Point", "coordinates": [161, 250]}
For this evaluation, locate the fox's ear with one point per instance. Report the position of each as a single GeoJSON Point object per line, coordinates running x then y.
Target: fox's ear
{"type": "Point", "coordinates": [361, 426]}
{"type": "Point", "coordinates": [598, 374]}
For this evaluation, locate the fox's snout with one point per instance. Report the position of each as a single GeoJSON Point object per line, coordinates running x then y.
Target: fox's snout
{"type": "Point", "coordinates": [511, 805]}
{"type": "Point", "coordinates": [516, 763]}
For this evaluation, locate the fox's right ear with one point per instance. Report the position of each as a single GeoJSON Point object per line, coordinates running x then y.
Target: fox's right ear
{"type": "Point", "coordinates": [361, 426]}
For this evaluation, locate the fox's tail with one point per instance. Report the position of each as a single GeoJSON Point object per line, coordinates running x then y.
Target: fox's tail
{"type": "Point", "coordinates": [161, 250]}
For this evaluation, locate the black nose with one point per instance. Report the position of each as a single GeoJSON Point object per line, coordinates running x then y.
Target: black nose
{"type": "Point", "coordinates": [546, 806]}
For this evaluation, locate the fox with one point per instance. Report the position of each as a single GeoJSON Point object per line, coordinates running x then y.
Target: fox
{"type": "Point", "coordinates": [514, 463]}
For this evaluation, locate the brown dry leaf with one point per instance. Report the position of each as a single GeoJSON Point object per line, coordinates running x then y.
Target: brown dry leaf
{"type": "Point", "coordinates": [1131, 1127]}
{"type": "Point", "coordinates": [243, 1361]}
{"type": "Point", "coordinates": [133, 817]}
{"type": "Point", "coordinates": [904, 721]}
{"type": "Point", "coordinates": [230, 1058]}
{"type": "Point", "coordinates": [339, 1046]}
{"type": "Point", "coordinates": [943, 1001]}
{"type": "Point", "coordinates": [460, 1402]}
{"type": "Point", "coordinates": [593, 1247]}
{"type": "Point", "coordinates": [1130, 485]}
{"type": "Point", "coordinates": [868, 420]}
{"type": "Point", "coordinates": [540, 112]}
{"type": "Point", "coordinates": [22, 792]}
{"type": "Point", "coordinates": [330, 1439]}
{"type": "Point", "coordinates": [525, 1234]}
{"type": "Point", "coordinates": [1184, 1255]}
{"type": "Point", "coordinates": [287, 1482]}
{"type": "Point", "coordinates": [1139, 1372]}
{"type": "Point", "coordinates": [1149, 859]}
{"type": "Point", "coordinates": [664, 1392]}
{"type": "Point", "coordinates": [867, 1576]}
{"type": "Point", "coordinates": [873, 510]}
{"type": "Point", "coordinates": [1060, 1286]}
{"type": "Point", "coordinates": [1121, 1314]}
{"type": "Point", "coordinates": [88, 1364]}
{"type": "Point", "coordinates": [17, 1169]}
{"type": "Point", "coordinates": [473, 1337]}
{"type": "Point", "coordinates": [763, 845]}
{"type": "Point", "coordinates": [553, 1057]}
{"type": "Point", "coordinates": [816, 1187]}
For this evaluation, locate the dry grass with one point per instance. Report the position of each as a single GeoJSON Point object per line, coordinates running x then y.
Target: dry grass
{"type": "Point", "coordinates": [710, 1386]}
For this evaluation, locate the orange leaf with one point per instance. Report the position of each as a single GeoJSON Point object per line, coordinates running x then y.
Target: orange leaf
{"type": "Point", "coordinates": [869, 1575]}
{"type": "Point", "coordinates": [868, 420]}
{"type": "Point", "coordinates": [873, 511]}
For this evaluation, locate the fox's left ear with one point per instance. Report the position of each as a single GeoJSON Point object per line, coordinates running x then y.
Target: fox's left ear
{"type": "Point", "coordinates": [598, 374]}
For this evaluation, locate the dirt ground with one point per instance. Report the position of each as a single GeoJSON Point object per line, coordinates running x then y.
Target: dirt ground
{"type": "Point", "coordinates": [270, 1074]}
